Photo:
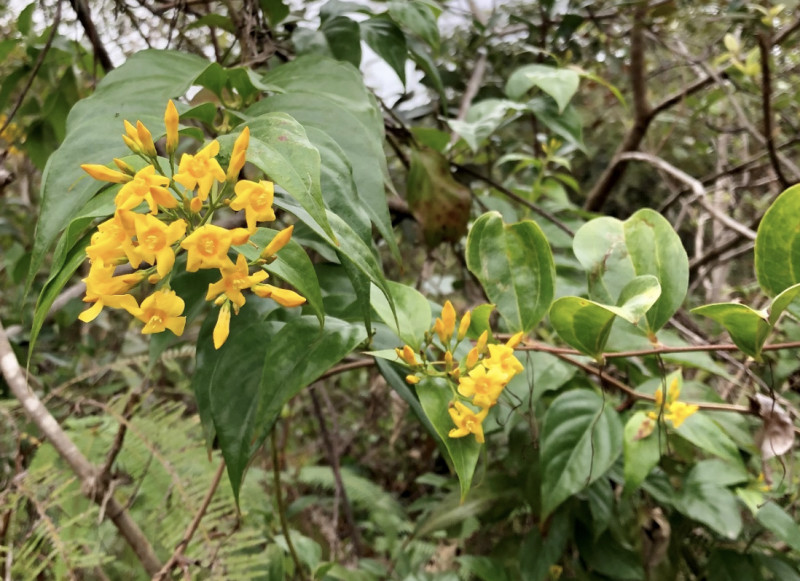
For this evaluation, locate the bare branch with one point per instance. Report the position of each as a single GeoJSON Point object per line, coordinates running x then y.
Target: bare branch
{"type": "Point", "coordinates": [81, 9]}
{"type": "Point", "coordinates": [764, 46]}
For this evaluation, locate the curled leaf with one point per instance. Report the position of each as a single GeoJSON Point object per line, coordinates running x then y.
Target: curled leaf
{"type": "Point", "coordinates": [776, 436]}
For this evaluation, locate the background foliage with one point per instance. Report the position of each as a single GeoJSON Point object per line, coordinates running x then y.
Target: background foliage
{"type": "Point", "coordinates": [616, 178]}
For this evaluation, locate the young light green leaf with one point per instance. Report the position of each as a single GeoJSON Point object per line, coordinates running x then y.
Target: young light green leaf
{"type": "Point", "coordinates": [583, 324]}
{"type": "Point", "coordinates": [747, 327]}
{"type": "Point", "coordinates": [514, 264]}
{"type": "Point", "coordinates": [581, 439]}
{"type": "Point", "coordinates": [560, 84]}
{"type": "Point", "coordinates": [411, 316]}
{"type": "Point", "coordinates": [435, 396]}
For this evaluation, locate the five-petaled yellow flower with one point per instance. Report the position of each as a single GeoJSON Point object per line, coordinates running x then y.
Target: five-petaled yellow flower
{"type": "Point", "coordinates": [483, 383]}
{"type": "Point", "coordinates": [156, 240]}
{"type": "Point", "coordinates": [256, 201]}
{"type": "Point", "coordinates": [208, 246]}
{"type": "Point", "coordinates": [200, 170]}
{"type": "Point", "coordinates": [235, 278]}
{"type": "Point", "coordinates": [160, 311]}
{"type": "Point", "coordinates": [467, 421]}
{"type": "Point", "coordinates": [146, 186]}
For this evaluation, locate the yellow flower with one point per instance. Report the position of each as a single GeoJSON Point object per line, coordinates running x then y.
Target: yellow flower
{"type": "Point", "coordinates": [223, 326]}
{"type": "Point", "coordinates": [208, 246]}
{"type": "Point", "coordinates": [502, 357]}
{"type": "Point", "coordinates": [445, 326]}
{"type": "Point", "coordinates": [103, 289]}
{"type": "Point", "coordinates": [112, 243]}
{"type": "Point", "coordinates": [678, 412]}
{"type": "Point", "coordinates": [105, 174]}
{"type": "Point", "coordinates": [200, 170]}
{"type": "Point", "coordinates": [485, 384]}
{"type": "Point", "coordinates": [160, 311]}
{"type": "Point", "coordinates": [407, 355]}
{"type": "Point", "coordinates": [515, 340]}
{"type": "Point", "coordinates": [281, 239]}
{"type": "Point", "coordinates": [283, 297]}
{"type": "Point", "coordinates": [139, 139]}
{"type": "Point", "coordinates": [156, 240]}
{"type": "Point", "coordinates": [239, 155]}
{"type": "Point", "coordinates": [466, 421]}
{"type": "Point", "coordinates": [146, 186]}
{"type": "Point", "coordinates": [171, 125]}
{"type": "Point", "coordinates": [235, 278]}
{"type": "Point", "coordinates": [463, 327]}
{"type": "Point", "coordinates": [256, 201]}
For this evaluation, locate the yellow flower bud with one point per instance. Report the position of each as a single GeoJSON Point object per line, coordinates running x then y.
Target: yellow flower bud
{"type": "Point", "coordinates": [171, 124]}
{"type": "Point", "coordinates": [408, 355]}
{"type": "Point", "coordinates": [463, 327]}
{"type": "Point", "coordinates": [515, 340]}
{"type": "Point", "coordinates": [449, 318]}
{"type": "Point", "coordinates": [195, 205]}
{"type": "Point", "coordinates": [472, 358]}
{"type": "Point", "coordinates": [448, 360]}
{"type": "Point", "coordinates": [145, 140]}
{"type": "Point", "coordinates": [124, 166]}
{"type": "Point", "coordinates": [104, 174]}
{"type": "Point", "coordinates": [222, 328]}
{"type": "Point", "coordinates": [481, 344]}
{"type": "Point", "coordinates": [281, 239]}
{"type": "Point", "coordinates": [412, 379]}
{"type": "Point", "coordinates": [239, 154]}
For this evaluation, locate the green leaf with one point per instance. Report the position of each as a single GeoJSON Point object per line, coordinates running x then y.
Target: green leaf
{"type": "Point", "coordinates": [417, 18]}
{"type": "Point", "coordinates": [781, 302]}
{"type": "Point", "coordinates": [777, 251]}
{"type": "Point", "coordinates": [704, 433]}
{"type": "Point", "coordinates": [280, 148]}
{"type": "Point", "coordinates": [727, 565]}
{"type": "Point", "coordinates": [560, 84]}
{"type": "Point", "coordinates": [420, 55]}
{"type": "Point", "coordinates": [642, 449]}
{"type": "Point", "coordinates": [348, 113]}
{"type": "Point", "coordinates": [483, 119]}
{"type": "Point", "coordinates": [567, 125]}
{"type": "Point", "coordinates": [606, 556]}
{"type": "Point", "coordinates": [747, 327]}
{"type": "Point", "coordinates": [291, 264]}
{"type": "Point", "coordinates": [435, 396]}
{"type": "Point", "coordinates": [344, 39]}
{"type": "Point", "coordinates": [275, 11]}
{"type": "Point", "coordinates": [388, 41]}
{"type": "Point", "coordinates": [541, 549]}
{"type": "Point", "coordinates": [139, 89]}
{"type": "Point", "coordinates": [583, 324]}
{"type": "Point", "coordinates": [411, 316]}
{"type": "Point", "coordinates": [581, 439]}
{"type": "Point", "coordinates": [780, 523]}
{"type": "Point", "coordinates": [395, 377]}
{"type": "Point", "coordinates": [514, 264]}
{"type": "Point", "coordinates": [614, 252]}
{"type": "Point", "coordinates": [718, 472]}
{"type": "Point", "coordinates": [712, 505]}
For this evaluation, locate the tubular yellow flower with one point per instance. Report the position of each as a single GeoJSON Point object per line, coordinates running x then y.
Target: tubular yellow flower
{"type": "Point", "coordinates": [171, 125]}
{"type": "Point", "coordinates": [256, 201]}
{"type": "Point", "coordinates": [678, 412]}
{"type": "Point", "coordinates": [112, 243]}
{"type": "Point", "coordinates": [223, 326]}
{"type": "Point", "coordinates": [502, 358]}
{"type": "Point", "coordinates": [160, 311]}
{"type": "Point", "coordinates": [106, 290]}
{"type": "Point", "coordinates": [146, 186]}
{"type": "Point", "coordinates": [156, 240]}
{"type": "Point", "coordinates": [200, 170]}
{"type": "Point", "coordinates": [283, 297]}
{"type": "Point", "coordinates": [463, 327]}
{"type": "Point", "coordinates": [208, 246]}
{"type": "Point", "coordinates": [235, 279]}
{"type": "Point", "coordinates": [239, 154]}
{"type": "Point", "coordinates": [466, 421]}
{"type": "Point", "coordinates": [105, 174]}
{"type": "Point", "coordinates": [485, 384]}
{"type": "Point", "coordinates": [281, 239]}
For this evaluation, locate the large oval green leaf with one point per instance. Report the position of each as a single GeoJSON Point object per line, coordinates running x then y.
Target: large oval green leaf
{"type": "Point", "coordinates": [777, 251]}
{"type": "Point", "coordinates": [581, 439]}
{"type": "Point", "coordinates": [435, 396]}
{"type": "Point", "coordinates": [411, 316]}
{"type": "Point", "coordinates": [614, 252]}
{"type": "Point", "coordinates": [514, 264]}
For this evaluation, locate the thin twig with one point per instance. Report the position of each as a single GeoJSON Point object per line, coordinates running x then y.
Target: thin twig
{"type": "Point", "coordinates": [37, 65]}
{"type": "Point", "coordinates": [276, 474]}
{"type": "Point", "coordinates": [764, 46]}
{"type": "Point", "coordinates": [119, 439]}
{"type": "Point", "coordinates": [81, 9]}
{"type": "Point", "coordinates": [192, 528]}
{"type": "Point", "coordinates": [519, 199]}
{"type": "Point", "coordinates": [80, 465]}
{"type": "Point", "coordinates": [333, 460]}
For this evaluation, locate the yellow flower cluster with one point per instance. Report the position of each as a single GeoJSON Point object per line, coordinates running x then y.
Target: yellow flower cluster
{"type": "Point", "coordinates": [674, 411]}
{"type": "Point", "coordinates": [481, 376]}
{"type": "Point", "coordinates": [155, 219]}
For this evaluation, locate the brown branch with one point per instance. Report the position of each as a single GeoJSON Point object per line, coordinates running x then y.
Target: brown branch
{"type": "Point", "coordinates": [81, 9]}
{"type": "Point", "coordinates": [333, 460]}
{"type": "Point", "coordinates": [471, 90]}
{"type": "Point", "coordinates": [520, 200]}
{"type": "Point", "coordinates": [36, 66]}
{"type": "Point", "coordinates": [764, 46]}
{"type": "Point", "coordinates": [91, 486]}
{"type": "Point", "coordinates": [119, 439]}
{"type": "Point", "coordinates": [192, 528]}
